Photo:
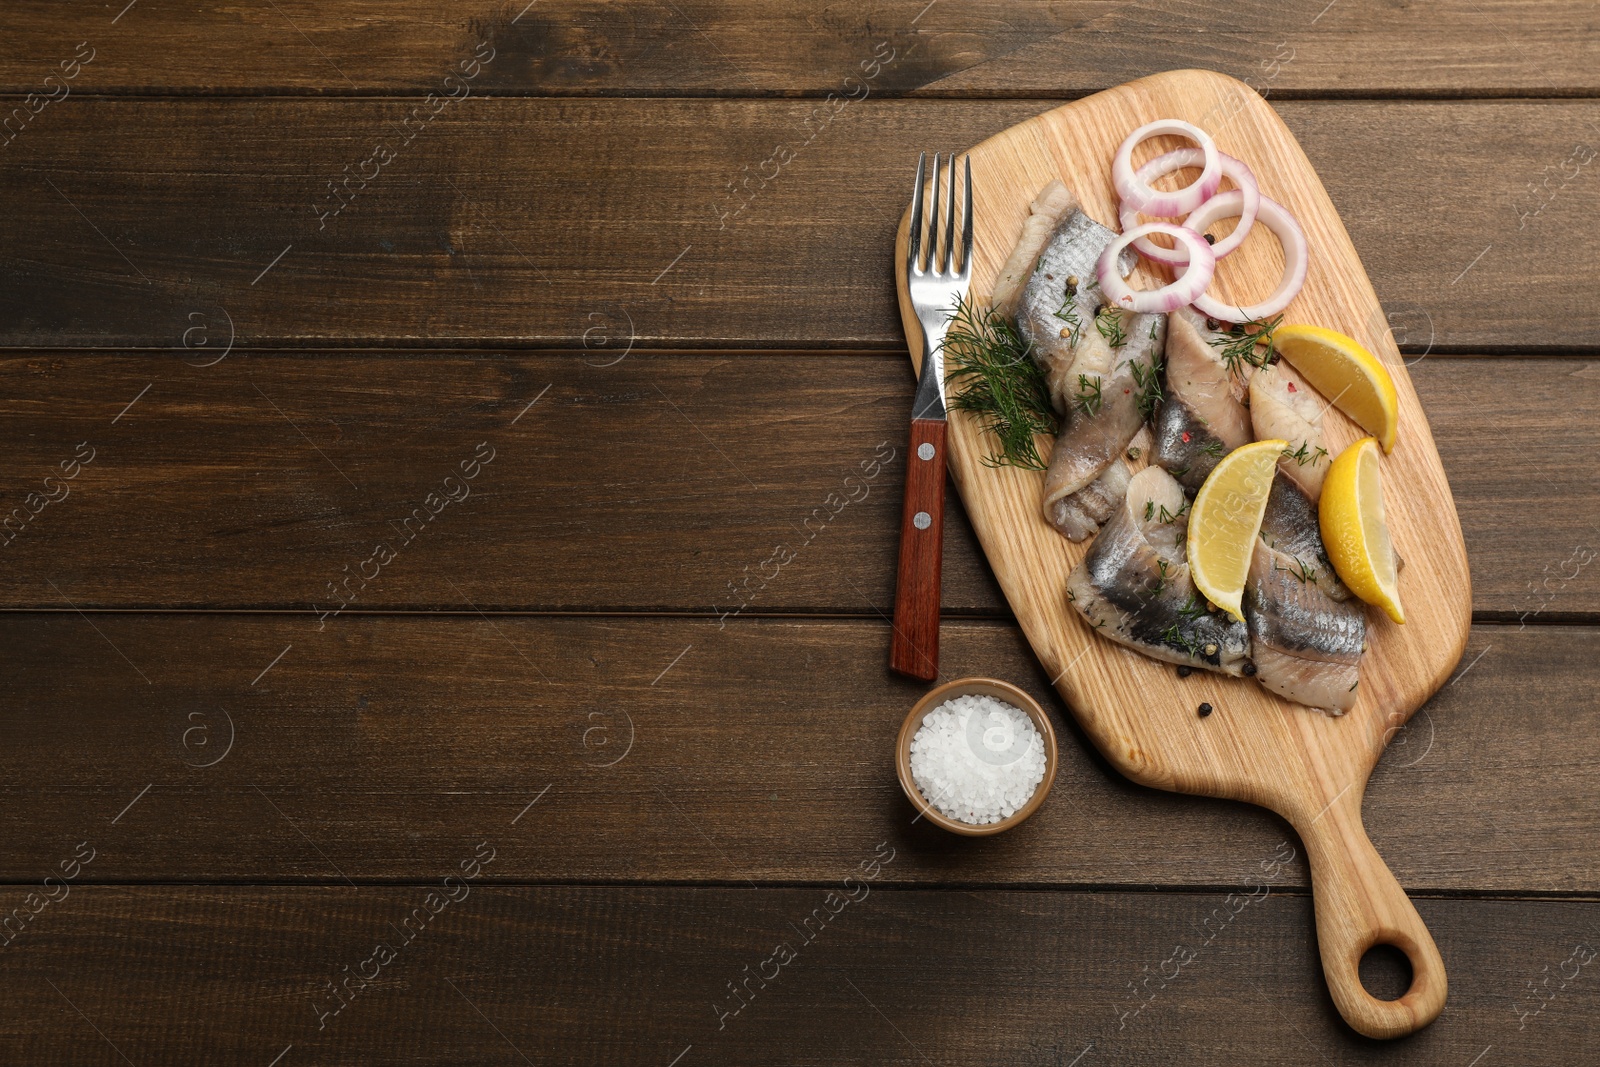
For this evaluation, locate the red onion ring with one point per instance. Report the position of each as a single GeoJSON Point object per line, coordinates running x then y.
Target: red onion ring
{"type": "Point", "coordinates": [1187, 288]}
{"type": "Point", "coordinates": [1137, 194]}
{"type": "Point", "coordinates": [1192, 157]}
{"type": "Point", "coordinates": [1296, 255]}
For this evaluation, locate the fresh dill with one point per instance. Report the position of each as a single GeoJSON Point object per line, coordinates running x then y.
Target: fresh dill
{"type": "Point", "coordinates": [1194, 608]}
{"type": "Point", "coordinates": [1108, 320]}
{"type": "Point", "coordinates": [1171, 516]}
{"type": "Point", "coordinates": [1303, 455]}
{"type": "Point", "coordinates": [1213, 448]}
{"type": "Point", "coordinates": [1149, 510]}
{"type": "Point", "coordinates": [1239, 344]}
{"type": "Point", "coordinates": [1301, 570]}
{"type": "Point", "coordinates": [1147, 376]}
{"type": "Point", "coordinates": [1154, 322]}
{"type": "Point", "coordinates": [1088, 398]}
{"type": "Point", "coordinates": [1161, 580]}
{"type": "Point", "coordinates": [1068, 313]}
{"type": "Point", "coordinates": [989, 362]}
{"type": "Point", "coordinates": [1178, 639]}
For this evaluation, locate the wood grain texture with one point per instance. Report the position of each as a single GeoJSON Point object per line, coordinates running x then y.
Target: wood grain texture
{"type": "Point", "coordinates": [914, 643]}
{"type": "Point", "coordinates": [590, 975]}
{"type": "Point", "coordinates": [677, 222]}
{"type": "Point", "coordinates": [761, 752]}
{"type": "Point", "coordinates": [610, 493]}
{"type": "Point", "coordinates": [1305, 766]}
{"type": "Point", "coordinates": [712, 47]}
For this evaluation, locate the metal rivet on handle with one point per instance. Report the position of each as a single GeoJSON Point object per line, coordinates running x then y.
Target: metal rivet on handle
{"type": "Point", "coordinates": [922, 520]}
{"type": "Point", "coordinates": [925, 450]}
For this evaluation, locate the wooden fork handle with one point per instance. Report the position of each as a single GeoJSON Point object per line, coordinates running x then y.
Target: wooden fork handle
{"type": "Point", "coordinates": [914, 646]}
{"type": "Point", "coordinates": [1358, 904]}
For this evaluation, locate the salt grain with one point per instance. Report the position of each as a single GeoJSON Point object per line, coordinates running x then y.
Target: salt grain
{"type": "Point", "coordinates": [977, 759]}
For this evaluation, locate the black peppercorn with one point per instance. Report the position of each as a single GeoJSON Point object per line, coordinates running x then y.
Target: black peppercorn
{"type": "Point", "coordinates": [1250, 670]}
{"type": "Point", "coordinates": [1210, 240]}
{"type": "Point", "coordinates": [1184, 672]}
{"type": "Point", "coordinates": [1205, 709]}
{"type": "Point", "coordinates": [1212, 324]}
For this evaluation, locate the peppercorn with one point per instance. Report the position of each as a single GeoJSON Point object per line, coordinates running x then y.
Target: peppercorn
{"type": "Point", "coordinates": [1210, 240]}
{"type": "Point", "coordinates": [1205, 709]}
{"type": "Point", "coordinates": [1185, 671]}
{"type": "Point", "coordinates": [1249, 670]}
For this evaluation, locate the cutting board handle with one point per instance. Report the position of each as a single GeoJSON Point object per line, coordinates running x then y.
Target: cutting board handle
{"type": "Point", "coordinates": [1359, 904]}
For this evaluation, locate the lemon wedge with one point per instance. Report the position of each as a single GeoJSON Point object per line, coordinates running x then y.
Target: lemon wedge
{"type": "Point", "coordinates": [1347, 374]}
{"type": "Point", "coordinates": [1354, 530]}
{"type": "Point", "coordinates": [1226, 519]}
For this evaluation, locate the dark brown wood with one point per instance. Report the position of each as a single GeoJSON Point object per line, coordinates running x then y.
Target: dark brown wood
{"type": "Point", "coordinates": [673, 47]}
{"type": "Point", "coordinates": [842, 972]}
{"type": "Point", "coordinates": [524, 221]}
{"type": "Point", "coordinates": [660, 482]}
{"type": "Point", "coordinates": [914, 643]}
{"type": "Point", "coordinates": [677, 750]}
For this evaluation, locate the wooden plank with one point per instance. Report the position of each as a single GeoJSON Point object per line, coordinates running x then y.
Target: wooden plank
{"type": "Point", "coordinates": [759, 752]}
{"type": "Point", "coordinates": [607, 975]}
{"type": "Point", "coordinates": [545, 222]}
{"type": "Point", "coordinates": [660, 482]}
{"type": "Point", "coordinates": [662, 47]}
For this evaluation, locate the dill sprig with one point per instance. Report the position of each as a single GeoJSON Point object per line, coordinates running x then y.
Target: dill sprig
{"type": "Point", "coordinates": [1214, 448]}
{"type": "Point", "coordinates": [1147, 376]}
{"type": "Point", "coordinates": [1301, 570]}
{"type": "Point", "coordinates": [1178, 639]}
{"type": "Point", "coordinates": [1303, 455]}
{"type": "Point", "coordinates": [1193, 608]}
{"type": "Point", "coordinates": [1109, 322]}
{"type": "Point", "coordinates": [1068, 312]}
{"type": "Point", "coordinates": [1240, 344]}
{"type": "Point", "coordinates": [1089, 398]}
{"type": "Point", "coordinates": [1173, 516]}
{"type": "Point", "coordinates": [1166, 516]}
{"type": "Point", "coordinates": [987, 359]}
{"type": "Point", "coordinates": [1161, 579]}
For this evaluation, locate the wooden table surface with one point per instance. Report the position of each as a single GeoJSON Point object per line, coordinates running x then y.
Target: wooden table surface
{"type": "Point", "coordinates": [406, 408]}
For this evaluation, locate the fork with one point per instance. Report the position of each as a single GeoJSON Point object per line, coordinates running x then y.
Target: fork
{"type": "Point", "coordinates": [934, 290]}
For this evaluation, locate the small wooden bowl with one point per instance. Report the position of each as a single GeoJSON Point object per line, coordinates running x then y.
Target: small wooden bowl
{"type": "Point", "coordinates": [989, 687]}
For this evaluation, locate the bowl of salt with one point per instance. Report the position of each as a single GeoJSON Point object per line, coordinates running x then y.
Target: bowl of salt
{"type": "Point", "coordinates": [976, 756]}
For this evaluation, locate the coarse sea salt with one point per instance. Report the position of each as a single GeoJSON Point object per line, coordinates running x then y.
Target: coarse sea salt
{"type": "Point", "coordinates": [977, 759]}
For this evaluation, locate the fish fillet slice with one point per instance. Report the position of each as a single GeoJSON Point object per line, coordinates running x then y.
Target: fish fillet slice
{"type": "Point", "coordinates": [1203, 416]}
{"type": "Point", "coordinates": [1306, 642]}
{"type": "Point", "coordinates": [1134, 587]}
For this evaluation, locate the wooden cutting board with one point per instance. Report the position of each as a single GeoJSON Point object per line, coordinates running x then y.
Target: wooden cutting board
{"type": "Point", "coordinates": [1310, 768]}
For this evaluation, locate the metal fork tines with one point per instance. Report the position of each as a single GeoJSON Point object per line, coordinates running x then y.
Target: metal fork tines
{"type": "Point", "coordinates": [937, 281]}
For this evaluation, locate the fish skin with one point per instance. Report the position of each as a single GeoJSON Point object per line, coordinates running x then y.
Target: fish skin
{"type": "Point", "coordinates": [1306, 642]}
{"type": "Point", "coordinates": [1064, 276]}
{"type": "Point", "coordinates": [1204, 402]}
{"type": "Point", "coordinates": [1134, 584]}
{"type": "Point", "coordinates": [1072, 251]}
{"type": "Point", "coordinates": [1054, 203]}
{"type": "Point", "coordinates": [1092, 442]}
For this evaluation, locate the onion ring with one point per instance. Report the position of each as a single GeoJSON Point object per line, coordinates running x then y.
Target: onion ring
{"type": "Point", "coordinates": [1187, 288]}
{"type": "Point", "coordinates": [1192, 157]}
{"type": "Point", "coordinates": [1296, 256]}
{"type": "Point", "coordinates": [1137, 194]}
